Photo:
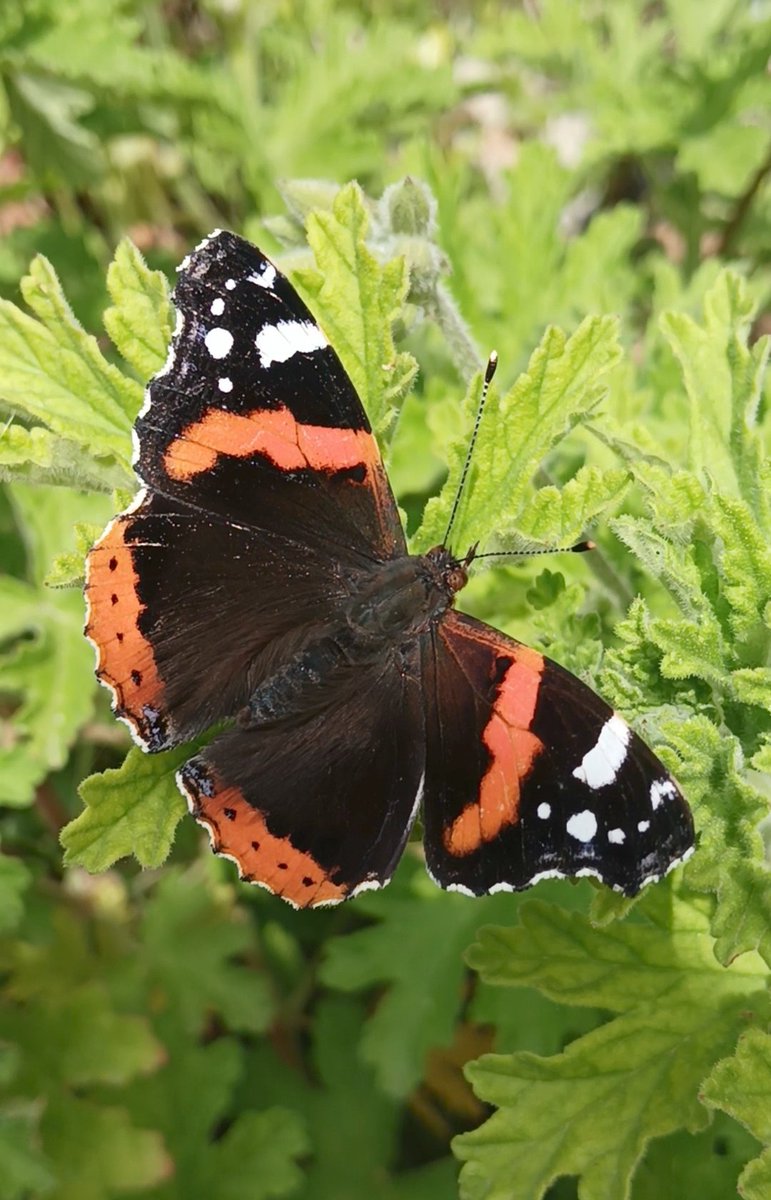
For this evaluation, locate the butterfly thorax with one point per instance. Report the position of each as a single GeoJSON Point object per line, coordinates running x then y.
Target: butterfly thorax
{"type": "Point", "coordinates": [401, 599]}
{"type": "Point", "coordinates": [390, 607]}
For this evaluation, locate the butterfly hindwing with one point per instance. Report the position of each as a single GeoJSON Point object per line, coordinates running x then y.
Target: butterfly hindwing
{"type": "Point", "coordinates": [529, 774]}
{"type": "Point", "coordinates": [317, 808]}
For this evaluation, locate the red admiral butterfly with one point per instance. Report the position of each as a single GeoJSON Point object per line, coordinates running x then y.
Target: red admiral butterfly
{"type": "Point", "coordinates": [262, 576]}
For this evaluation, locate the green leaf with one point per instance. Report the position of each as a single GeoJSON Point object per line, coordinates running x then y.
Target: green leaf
{"type": "Point", "coordinates": [560, 387]}
{"type": "Point", "coordinates": [357, 301]}
{"type": "Point", "coordinates": [415, 925]}
{"type": "Point", "coordinates": [76, 1037]}
{"type": "Point", "coordinates": [591, 1110]}
{"type": "Point", "coordinates": [140, 322]}
{"type": "Point", "coordinates": [723, 380]}
{"type": "Point", "coordinates": [730, 860]}
{"type": "Point", "coordinates": [741, 1086]}
{"type": "Point", "coordinates": [55, 373]}
{"type": "Point", "coordinates": [560, 516]}
{"type": "Point", "coordinates": [344, 1097]}
{"type": "Point", "coordinates": [132, 809]}
{"type": "Point", "coordinates": [14, 881]}
{"type": "Point", "coordinates": [96, 1151]}
{"type": "Point", "coordinates": [24, 1171]}
{"type": "Point", "coordinates": [50, 673]}
{"type": "Point", "coordinates": [256, 1156]}
{"type": "Point", "coordinates": [38, 456]}
{"type": "Point", "coordinates": [61, 149]}
{"type": "Point", "coordinates": [68, 570]}
{"type": "Point", "coordinates": [191, 938]}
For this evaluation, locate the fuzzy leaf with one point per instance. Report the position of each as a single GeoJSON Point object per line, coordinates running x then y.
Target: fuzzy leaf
{"type": "Point", "coordinates": [730, 858]}
{"type": "Point", "coordinates": [55, 373]}
{"type": "Point", "coordinates": [357, 301]}
{"type": "Point", "coordinates": [132, 809]}
{"type": "Point", "coordinates": [741, 1086]}
{"type": "Point", "coordinates": [51, 672]}
{"type": "Point", "coordinates": [560, 515]}
{"type": "Point", "coordinates": [140, 322]}
{"type": "Point", "coordinates": [723, 379]}
{"type": "Point", "coordinates": [562, 384]}
{"type": "Point", "coordinates": [591, 1110]}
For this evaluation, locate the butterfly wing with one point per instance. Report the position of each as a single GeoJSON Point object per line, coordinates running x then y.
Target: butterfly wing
{"type": "Point", "coordinates": [264, 497]}
{"type": "Point", "coordinates": [529, 774]}
{"type": "Point", "coordinates": [319, 808]}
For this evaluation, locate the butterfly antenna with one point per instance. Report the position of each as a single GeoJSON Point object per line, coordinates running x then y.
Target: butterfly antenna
{"type": "Point", "coordinates": [579, 548]}
{"type": "Point", "coordinates": [492, 363]}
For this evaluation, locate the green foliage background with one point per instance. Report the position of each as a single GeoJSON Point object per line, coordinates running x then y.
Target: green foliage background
{"type": "Point", "coordinates": [584, 186]}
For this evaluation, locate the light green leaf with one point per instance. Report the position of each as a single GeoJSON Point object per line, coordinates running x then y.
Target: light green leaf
{"type": "Point", "coordinates": [723, 380]}
{"type": "Point", "coordinates": [741, 1086]}
{"type": "Point", "coordinates": [357, 301]}
{"type": "Point", "coordinates": [560, 515]}
{"type": "Point", "coordinates": [54, 372]}
{"type": "Point", "coordinates": [591, 1110]}
{"type": "Point", "coordinates": [38, 456]}
{"type": "Point", "coordinates": [68, 570]}
{"type": "Point", "coordinates": [50, 673]}
{"type": "Point", "coordinates": [730, 857]}
{"type": "Point", "coordinates": [562, 384]}
{"type": "Point", "coordinates": [131, 809]}
{"type": "Point", "coordinates": [140, 322]}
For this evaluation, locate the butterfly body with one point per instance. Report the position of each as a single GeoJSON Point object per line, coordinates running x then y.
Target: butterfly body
{"type": "Point", "coordinates": [262, 578]}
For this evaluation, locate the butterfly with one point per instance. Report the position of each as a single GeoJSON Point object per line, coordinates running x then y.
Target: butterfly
{"type": "Point", "coordinates": [261, 581]}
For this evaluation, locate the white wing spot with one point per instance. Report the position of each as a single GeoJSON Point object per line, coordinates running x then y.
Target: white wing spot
{"type": "Point", "coordinates": [217, 307]}
{"type": "Point", "coordinates": [544, 811]}
{"type": "Point", "coordinates": [643, 826]}
{"type": "Point", "coordinates": [617, 836]}
{"type": "Point", "coordinates": [218, 342]}
{"type": "Point", "coordinates": [660, 790]}
{"type": "Point", "coordinates": [601, 764]}
{"type": "Point", "coordinates": [230, 284]}
{"type": "Point", "coordinates": [280, 342]}
{"type": "Point", "coordinates": [225, 384]}
{"type": "Point", "coordinates": [582, 826]}
{"type": "Point", "coordinates": [264, 278]}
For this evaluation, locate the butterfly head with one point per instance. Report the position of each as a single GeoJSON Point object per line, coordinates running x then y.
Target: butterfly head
{"type": "Point", "coordinates": [451, 573]}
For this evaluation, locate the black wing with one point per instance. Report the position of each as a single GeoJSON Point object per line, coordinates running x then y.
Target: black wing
{"type": "Point", "coordinates": [319, 808]}
{"type": "Point", "coordinates": [529, 774]}
{"type": "Point", "coordinates": [265, 497]}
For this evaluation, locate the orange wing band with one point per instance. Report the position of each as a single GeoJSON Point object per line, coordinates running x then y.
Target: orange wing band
{"type": "Point", "coordinates": [513, 750]}
{"type": "Point", "coordinates": [125, 659]}
{"type": "Point", "coordinates": [238, 830]}
{"type": "Point", "coordinates": [273, 433]}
